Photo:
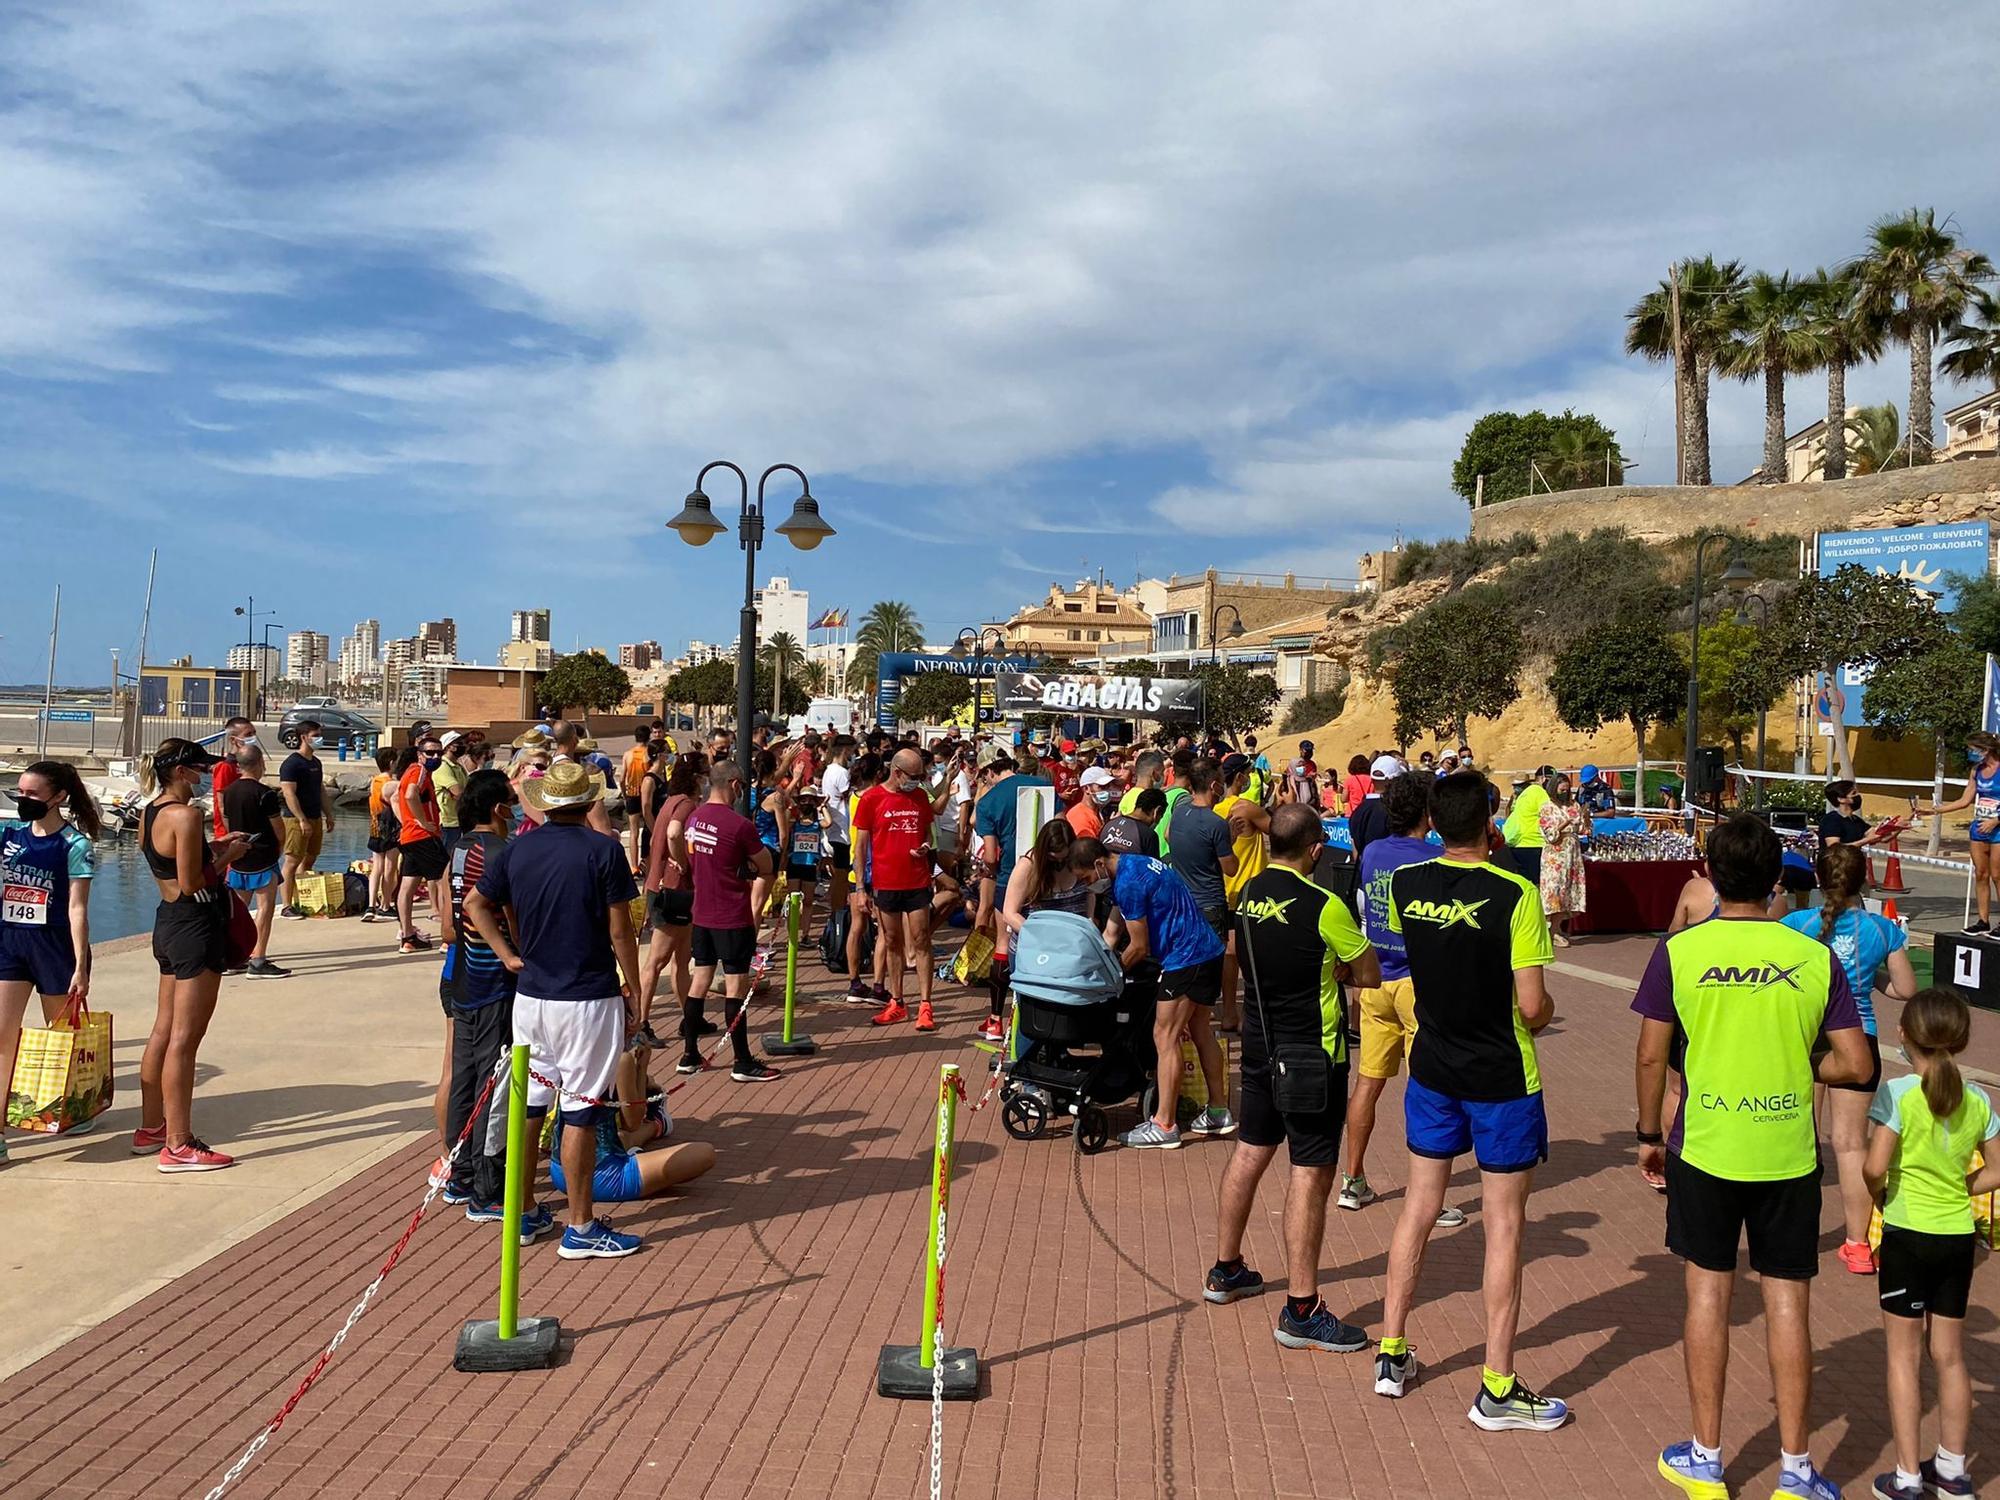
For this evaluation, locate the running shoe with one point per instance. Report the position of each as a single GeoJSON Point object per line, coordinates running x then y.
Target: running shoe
{"type": "Point", "coordinates": [925, 1020]}
{"type": "Point", "coordinates": [645, 1036]}
{"type": "Point", "coordinates": [292, 913]}
{"type": "Point", "coordinates": [1212, 1121]}
{"type": "Point", "coordinates": [595, 1241]}
{"type": "Point", "coordinates": [1146, 1134]}
{"type": "Point", "coordinates": [1692, 1476]}
{"type": "Point", "coordinates": [1320, 1329]}
{"type": "Point", "coordinates": [1927, 1470]}
{"type": "Point", "coordinates": [1888, 1487]}
{"type": "Point", "coordinates": [1520, 1407]}
{"type": "Point", "coordinates": [411, 943]}
{"type": "Point", "coordinates": [1977, 924]}
{"type": "Point", "coordinates": [1395, 1373]}
{"type": "Point", "coordinates": [148, 1140]}
{"type": "Point", "coordinates": [483, 1213]}
{"type": "Point", "coordinates": [263, 968]}
{"type": "Point", "coordinates": [1224, 1287]}
{"type": "Point", "coordinates": [538, 1221]}
{"type": "Point", "coordinates": [1355, 1193]}
{"type": "Point", "coordinates": [890, 1014]}
{"type": "Point", "coordinates": [81, 1127]}
{"type": "Point", "coordinates": [755, 1072]}
{"type": "Point", "coordinates": [454, 1195]}
{"type": "Point", "coordinates": [1813, 1485]}
{"type": "Point", "coordinates": [859, 993]}
{"type": "Point", "coordinates": [992, 1029]}
{"type": "Point", "coordinates": [373, 914]}
{"type": "Point", "coordinates": [1857, 1257]}
{"type": "Point", "coordinates": [689, 1065]}
{"type": "Point", "coordinates": [195, 1156]}
{"type": "Point", "coordinates": [1449, 1218]}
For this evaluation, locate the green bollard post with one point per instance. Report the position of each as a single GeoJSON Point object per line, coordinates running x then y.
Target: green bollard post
{"type": "Point", "coordinates": [509, 1342]}
{"type": "Point", "coordinates": [789, 1042]}
{"type": "Point", "coordinates": [912, 1371]}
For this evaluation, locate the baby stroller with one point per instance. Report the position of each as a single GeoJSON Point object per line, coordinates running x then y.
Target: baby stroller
{"type": "Point", "coordinates": [1081, 1041]}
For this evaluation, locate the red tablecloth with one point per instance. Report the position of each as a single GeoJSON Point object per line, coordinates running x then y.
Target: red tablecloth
{"type": "Point", "coordinates": [1631, 895]}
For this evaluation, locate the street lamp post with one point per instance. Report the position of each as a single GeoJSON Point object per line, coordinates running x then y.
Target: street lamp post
{"type": "Point", "coordinates": [1763, 623]}
{"type": "Point", "coordinates": [264, 663]}
{"type": "Point", "coordinates": [977, 638]}
{"type": "Point", "coordinates": [804, 529]}
{"type": "Point", "coordinates": [1215, 646]}
{"type": "Point", "coordinates": [1735, 573]}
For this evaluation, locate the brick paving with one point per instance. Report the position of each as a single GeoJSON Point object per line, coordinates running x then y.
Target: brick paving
{"type": "Point", "coordinates": [734, 1357]}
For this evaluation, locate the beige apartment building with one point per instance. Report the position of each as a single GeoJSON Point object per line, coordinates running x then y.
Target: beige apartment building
{"type": "Point", "coordinates": [1084, 620]}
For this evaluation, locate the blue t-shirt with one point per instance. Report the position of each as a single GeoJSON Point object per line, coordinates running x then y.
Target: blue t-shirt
{"type": "Point", "coordinates": [996, 814]}
{"type": "Point", "coordinates": [562, 883]}
{"type": "Point", "coordinates": [1861, 941]}
{"type": "Point", "coordinates": [1178, 934]}
{"type": "Point", "coordinates": [1379, 860]}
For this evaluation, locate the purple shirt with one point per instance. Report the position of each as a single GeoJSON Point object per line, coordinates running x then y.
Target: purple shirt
{"type": "Point", "coordinates": [721, 843]}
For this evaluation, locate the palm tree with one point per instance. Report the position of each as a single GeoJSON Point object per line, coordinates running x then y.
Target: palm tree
{"type": "Point", "coordinates": [890, 626]}
{"type": "Point", "coordinates": [1708, 292]}
{"type": "Point", "coordinates": [1875, 439]}
{"type": "Point", "coordinates": [1974, 357]}
{"type": "Point", "coordinates": [1916, 280]}
{"type": "Point", "coordinates": [780, 653]}
{"type": "Point", "coordinates": [1841, 337]}
{"type": "Point", "coordinates": [1573, 461]}
{"type": "Point", "coordinates": [1768, 336]}
{"type": "Point", "coordinates": [813, 676]}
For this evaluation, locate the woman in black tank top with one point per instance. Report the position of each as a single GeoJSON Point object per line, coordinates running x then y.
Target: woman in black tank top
{"type": "Point", "coordinates": [190, 929]}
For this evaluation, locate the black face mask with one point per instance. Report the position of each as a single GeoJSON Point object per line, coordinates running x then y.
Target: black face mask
{"type": "Point", "coordinates": [31, 809]}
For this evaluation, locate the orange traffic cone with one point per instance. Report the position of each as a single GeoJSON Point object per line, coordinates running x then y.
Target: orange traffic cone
{"type": "Point", "coordinates": [1892, 873]}
{"type": "Point", "coordinates": [1889, 910]}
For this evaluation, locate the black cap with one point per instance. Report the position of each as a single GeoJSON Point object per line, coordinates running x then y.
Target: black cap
{"type": "Point", "coordinates": [194, 757]}
{"type": "Point", "coordinates": [1235, 765]}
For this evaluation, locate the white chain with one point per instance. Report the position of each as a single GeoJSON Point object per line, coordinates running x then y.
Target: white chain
{"type": "Point", "coordinates": [937, 1379]}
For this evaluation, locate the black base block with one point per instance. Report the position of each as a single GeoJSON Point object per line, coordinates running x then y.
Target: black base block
{"type": "Point", "coordinates": [800, 1045]}
{"type": "Point", "coordinates": [481, 1350]}
{"type": "Point", "coordinates": [897, 1373]}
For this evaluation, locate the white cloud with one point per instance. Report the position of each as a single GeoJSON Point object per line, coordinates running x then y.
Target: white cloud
{"type": "Point", "coordinates": [306, 463]}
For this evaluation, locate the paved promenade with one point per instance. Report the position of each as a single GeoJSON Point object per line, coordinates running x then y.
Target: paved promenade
{"type": "Point", "coordinates": [734, 1356]}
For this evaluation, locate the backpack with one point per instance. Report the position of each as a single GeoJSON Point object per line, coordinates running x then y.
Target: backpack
{"type": "Point", "coordinates": [1060, 957]}
{"type": "Point", "coordinates": [833, 942]}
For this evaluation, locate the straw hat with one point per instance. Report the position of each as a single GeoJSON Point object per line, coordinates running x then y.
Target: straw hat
{"type": "Point", "coordinates": [585, 745]}
{"type": "Point", "coordinates": [534, 739]}
{"type": "Point", "coordinates": [567, 784]}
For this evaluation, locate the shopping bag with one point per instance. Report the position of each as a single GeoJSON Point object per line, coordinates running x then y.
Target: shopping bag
{"type": "Point", "coordinates": [975, 959]}
{"type": "Point", "coordinates": [1194, 1086]}
{"type": "Point", "coordinates": [62, 1073]}
{"type": "Point", "coordinates": [1985, 1210]}
{"type": "Point", "coordinates": [323, 895]}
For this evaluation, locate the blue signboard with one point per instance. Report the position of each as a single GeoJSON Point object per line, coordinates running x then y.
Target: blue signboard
{"type": "Point", "coordinates": [72, 716]}
{"type": "Point", "coordinates": [1926, 556]}
{"type": "Point", "coordinates": [891, 667]}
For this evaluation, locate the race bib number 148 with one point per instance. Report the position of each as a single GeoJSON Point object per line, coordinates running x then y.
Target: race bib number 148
{"type": "Point", "coordinates": [24, 906]}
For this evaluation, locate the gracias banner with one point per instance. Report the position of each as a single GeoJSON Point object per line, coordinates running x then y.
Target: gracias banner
{"type": "Point", "coordinates": [1104, 696]}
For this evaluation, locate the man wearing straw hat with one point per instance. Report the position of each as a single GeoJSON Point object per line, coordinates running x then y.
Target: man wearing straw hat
{"type": "Point", "coordinates": [570, 890]}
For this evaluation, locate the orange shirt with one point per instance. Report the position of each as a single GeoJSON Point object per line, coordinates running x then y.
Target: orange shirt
{"type": "Point", "coordinates": [415, 797]}
{"type": "Point", "coordinates": [637, 759]}
{"type": "Point", "coordinates": [1084, 818]}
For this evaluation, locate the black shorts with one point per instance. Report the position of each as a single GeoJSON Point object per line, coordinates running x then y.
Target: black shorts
{"type": "Point", "coordinates": [382, 844]}
{"type": "Point", "coordinates": [730, 948]}
{"type": "Point", "coordinates": [671, 908]}
{"type": "Point", "coordinates": [1222, 919]}
{"type": "Point", "coordinates": [1707, 1217]}
{"type": "Point", "coordinates": [1310, 1140]}
{"type": "Point", "coordinates": [802, 874]}
{"type": "Point", "coordinates": [425, 860]}
{"type": "Point", "coordinates": [902, 901]}
{"type": "Point", "coordinates": [1201, 983]}
{"type": "Point", "coordinates": [838, 858]}
{"type": "Point", "coordinates": [190, 937]}
{"type": "Point", "coordinates": [1874, 1080]}
{"type": "Point", "coordinates": [1920, 1273]}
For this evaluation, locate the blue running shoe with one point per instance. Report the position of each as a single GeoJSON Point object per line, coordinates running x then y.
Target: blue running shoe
{"type": "Point", "coordinates": [596, 1241]}
{"type": "Point", "coordinates": [454, 1196]}
{"type": "Point", "coordinates": [1887, 1488]}
{"type": "Point", "coordinates": [1520, 1407]}
{"type": "Point", "coordinates": [1702, 1481]}
{"type": "Point", "coordinates": [1962, 1485]}
{"type": "Point", "coordinates": [1226, 1286]}
{"type": "Point", "coordinates": [535, 1223]}
{"type": "Point", "coordinates": [1320, 1330]}
{"type": "Point", "coordinates": [484, 1213]}
{"type": "Point", "coordinates": [1815, 1486]}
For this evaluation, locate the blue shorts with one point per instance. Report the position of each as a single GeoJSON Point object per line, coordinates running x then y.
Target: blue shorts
{"type": "Point", "coordinates": [616, 1179]}
{"type": "Point", "coordinates": [252, 880]}
{"type": "Point", "coordinates": [1510, 1135]}
{"type": "Point", "coordinates": [42, 956]}
{"type": "Point", "coordinates": [1983, 838]}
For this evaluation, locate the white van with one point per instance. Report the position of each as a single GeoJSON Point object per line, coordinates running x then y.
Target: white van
{"type": "Point", "coordinates": [827, 715]}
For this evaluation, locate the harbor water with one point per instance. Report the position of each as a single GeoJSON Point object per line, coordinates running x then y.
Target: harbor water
{"type": "Point", "coordinates": [123, 896]}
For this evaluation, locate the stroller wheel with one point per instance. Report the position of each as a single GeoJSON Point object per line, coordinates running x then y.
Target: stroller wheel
{"type": "Point", "coordinates": [1093, 1129]}
{"type": "Point", "coordinates": [1024, 1117]}
{"type": "Point", "coordinates": [1149, 1101]}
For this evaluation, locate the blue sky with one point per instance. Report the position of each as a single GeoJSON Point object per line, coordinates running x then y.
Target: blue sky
{"type": "Point", "coordinates": [392, 311]}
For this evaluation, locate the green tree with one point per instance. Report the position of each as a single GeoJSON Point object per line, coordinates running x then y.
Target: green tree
{"type": "Point", "coordinates": [1708, 291]}
{"type": "Point", "coordinates": [1939, 693]}
{"type": "Point", "coordinates": [1974, 353]}
{"type": "Point", "coordinates": [1571, 451]}
{"type": "Point", "coordinates": [1842, 335]}
{"type": "Point", "coordinates": [708, 684]}
{"type": "Point", "coordinates": [1573, 582]}
{"type": "Point", "coordinates": [889, 626]}
{"type": "Point", "coordinates": [778, 656]}
{"type": "Point", "coordinates": [1236, 699]}
{"type": "Point", "coordinates": [1875, 439]}
{"type": "Point", "coordinates": [1916, 281]}
{"type": "Point", "coordinates": [1769, 336]}
{"type": "Point", "coordinates": [588, 680]}
{"type": "Point", "coordinates": [1976, 614]}
{"type": "Point", "coordinates": [1457, 659]}
{"type": "Point", "coordinates": [1624, 669]}
{"type": "Point", "coordinates": [932, 697]}
{"type": "Point", "coordinates": [1310, 710]}
{"type": "Point", "coordinates": [787, 698]}
{"type": "Point", "coordinates": [1731, 694]}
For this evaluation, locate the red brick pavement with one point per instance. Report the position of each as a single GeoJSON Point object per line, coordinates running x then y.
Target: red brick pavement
{"type": "Point", "coordinates": [735, 1355]}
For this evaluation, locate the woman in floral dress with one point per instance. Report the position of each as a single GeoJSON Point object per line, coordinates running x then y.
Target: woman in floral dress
{"type": "Point", "coordinates": [1565, 825]}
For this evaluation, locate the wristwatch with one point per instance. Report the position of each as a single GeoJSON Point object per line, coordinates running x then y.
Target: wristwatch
{"type": "Point", "coordinates": [1649, 1137]}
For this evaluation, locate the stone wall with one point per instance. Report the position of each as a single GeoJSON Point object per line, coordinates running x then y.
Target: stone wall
{"type": "Point", "coordinates": [1903, 497]}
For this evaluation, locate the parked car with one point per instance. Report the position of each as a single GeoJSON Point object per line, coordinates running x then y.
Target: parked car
{"type": "Point", "coordinates": [338, 723]}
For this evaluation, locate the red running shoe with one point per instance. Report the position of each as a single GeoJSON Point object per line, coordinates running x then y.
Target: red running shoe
{"type": "Point", "coordinates": [890, 1014]}
{"type": "Point", "coordinates": [1857, 1257]}
{"type": "Point", "coordinates": [195, 1156]}
{"type": "Point", "coordinates": [148, 1139]}
{"type": "Point", "coordinates": [992, 1029]}
{"type": "Point", "coordinates": [925, 1020]}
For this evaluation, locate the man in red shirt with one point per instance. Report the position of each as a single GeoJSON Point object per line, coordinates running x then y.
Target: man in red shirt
{"type": "Point", "coordinates": [1064, 774]}
{"type": "Point", "coordinates": [892, 839]}
{"type": "Point", "coordinates": [241, 734]}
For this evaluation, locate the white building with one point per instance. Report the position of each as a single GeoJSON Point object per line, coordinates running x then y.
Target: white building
{"type": "Point", "coordinates": [529, 625]}
{"type": "Point", "coordinates": [361, 653]}
{"type": "Point", "coordinates": [263, 660]}
{"type": "Point", "coordinates": [780, 607]}
{"type": "Point", "coordinates": [305, 650]}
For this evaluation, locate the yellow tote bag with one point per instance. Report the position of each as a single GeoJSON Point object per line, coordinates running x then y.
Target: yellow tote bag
{"type": "Point", "coordinates": [975, 959]}
{"type": "Point", "coordinates": [62, 1074]}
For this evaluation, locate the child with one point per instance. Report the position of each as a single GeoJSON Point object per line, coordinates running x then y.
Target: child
{"type": "Point", "coordinates": [1928, 1125]}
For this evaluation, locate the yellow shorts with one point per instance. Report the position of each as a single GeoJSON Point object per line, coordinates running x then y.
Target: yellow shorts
{"type": "Point", "coordinates": [1388, 1021]}
{"type": "Point", "coordinates": [303, 837]}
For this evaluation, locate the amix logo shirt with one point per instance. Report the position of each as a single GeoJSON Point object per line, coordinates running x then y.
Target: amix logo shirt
{"type": "Point", "coordinates": [1751, 997]}
{"type": "Point", "coordinates": [1467, 928]}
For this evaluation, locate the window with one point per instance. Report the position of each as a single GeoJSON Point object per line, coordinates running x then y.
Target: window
{"type": "Point", "coordinates": [1095, 635]}
{"type": "Point", "coordinates": [1106, 609]}
{"type": "Point", "coordinates": [1076, 635]}
{"type": "Point", "coordinates": [1288, 670]}
{"type": "Point", "coordinates": [1070, 607]}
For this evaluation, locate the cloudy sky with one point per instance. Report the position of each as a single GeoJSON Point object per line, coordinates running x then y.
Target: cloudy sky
{"type": "Point", "coordinates": [404, 311]}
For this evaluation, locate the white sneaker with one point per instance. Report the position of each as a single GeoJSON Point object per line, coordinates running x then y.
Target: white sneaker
{"type": "Point", "coordinates": [1213, 1122]}
{"type": "Point", "coordinates": [1148, 1134]}
{"type": "Point", "coordinates": [1355, 1193]}
{"type": "Point", "coordinates": [1449, 1218]}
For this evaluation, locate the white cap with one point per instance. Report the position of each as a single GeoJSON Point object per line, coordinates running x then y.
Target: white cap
{"type": "Point", "coordinates": [1387, 766]}
{"type": "Point", "coordinates": [450, 737]}
{"type": "Point", "coordinates": [1096, 776]}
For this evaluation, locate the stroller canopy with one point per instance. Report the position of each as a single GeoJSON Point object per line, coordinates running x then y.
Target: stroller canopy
{"type": "Point", "coordinates": [1059, 958]}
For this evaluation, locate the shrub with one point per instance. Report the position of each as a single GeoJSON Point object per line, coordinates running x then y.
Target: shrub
{"type": "Point", "coordinates": [1310, 710]}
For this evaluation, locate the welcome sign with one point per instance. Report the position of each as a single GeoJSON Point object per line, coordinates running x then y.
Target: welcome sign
{"type": "Point", "coordinates": [1103, 695]}
{"type": "Point", "coordinates": [1923, 556]}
